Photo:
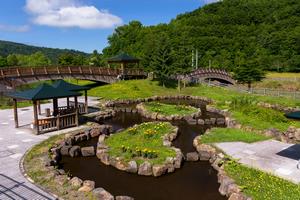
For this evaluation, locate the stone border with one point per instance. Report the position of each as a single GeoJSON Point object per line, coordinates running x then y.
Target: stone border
{"type": "Point", "coordinates": [156, 116]}
{"type": "Point", "coordinates": [291, 135]}
{"type": "Point", "coordinates": [145, 169]}
{"type": "Point", "coordinates": [117, 103]}
{"type": "Point", "coordinates": [278, 107]}
{"type": "Point", "coordinates": [228, 187]}
{"type": "Point", "coordinates": [68, 147]}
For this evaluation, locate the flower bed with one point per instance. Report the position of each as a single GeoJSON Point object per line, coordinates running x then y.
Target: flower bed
{"type": "Point", "coordinates": [144, 149]}
{"type": "Point", "coordinates": [161, 111]}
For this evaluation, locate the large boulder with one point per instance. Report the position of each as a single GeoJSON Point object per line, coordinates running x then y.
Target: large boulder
{"type": "Point", "coordinates": [238, 196]}
{"type": "Point", "coordinates": [74, 151]}
{"type": "Point", "coordinates": [64, 150]}
{"type": "Point", "coordinates": [88, 186]}
{"type": "Point", "coordinates": [205, 151]}
{"type": "Point", "coordinates": [76, 182]}
{"type": "Point", "coordinates": [102, 194]}
{"type": "Point", "coordinates": [192, 156]}
{"type": "Point", "coordinates": [132, 167]}
{"type": "Point", "coordinates": [178, 158]}
{"type": "Point", "coordinates": [88, 151]}
{"type": "Point", "coordinates": [159, 170]}
{"type": "Point", "coordinates": [145, 169]}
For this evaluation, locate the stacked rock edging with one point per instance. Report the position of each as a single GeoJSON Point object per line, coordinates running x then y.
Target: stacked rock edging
{"type": "Point", "coordinates": [119, 103]}
{"type": "Point", "coordinates": [68, 147]}
{"type": "Point", "coordinates": [228, 187]}
{"type": "Point", "coordinates": [292, 135]}
{"type": "Point", "coordinates": [156, 116]}
{"type": "Point", "coordinates": [278, 107]}
{"type": "Point", "coordinates": [146, 168]}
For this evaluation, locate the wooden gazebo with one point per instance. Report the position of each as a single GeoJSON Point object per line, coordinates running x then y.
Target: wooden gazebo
{"type": "Point", "coordinates": [62, 118]}
{"type": "Point", "coordinates": [123, 59]}
{"type": "Point", "coordinates": [63, 85]}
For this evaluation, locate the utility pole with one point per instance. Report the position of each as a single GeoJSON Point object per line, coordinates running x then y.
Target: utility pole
{"type": "Point", "coordinates": [196, 58]}
{"type": "Point", "coordinates": [192, 58]}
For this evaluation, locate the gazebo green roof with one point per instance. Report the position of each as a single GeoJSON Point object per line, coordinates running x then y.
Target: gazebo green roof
{"type": "Point", "coordinates": [61, 84]}
{"type": "Point", "coordinates": [123, 57]}
{"type": "Point", "coordinates": [43, 92]}
{"type": "Point", "coordinates": [293, 115]}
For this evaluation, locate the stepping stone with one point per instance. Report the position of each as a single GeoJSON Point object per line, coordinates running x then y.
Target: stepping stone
{"type": "Point", "coordinates": [27, 140]}
{"type": "Point", "coordinates": [283, 171]}
{"type": "Point", "coordinates": [249, 152]}
{"type": "Point", "coordinates": [13, 146]}
{"type": "Point", "coordinates": [16, 155]}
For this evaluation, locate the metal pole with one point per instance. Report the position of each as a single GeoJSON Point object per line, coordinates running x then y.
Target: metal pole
{"type": "Point", "coordinates": [16, 113]}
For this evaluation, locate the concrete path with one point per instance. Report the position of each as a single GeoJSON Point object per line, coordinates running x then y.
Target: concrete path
{"type": "Point", "coordinates": [271, 156]}
{"type": "Point", "coordinates": [13, 144]}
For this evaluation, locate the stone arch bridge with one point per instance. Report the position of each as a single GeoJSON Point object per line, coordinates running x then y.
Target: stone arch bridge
{"type": "Point", "coordinates": [15, 76]}
{"type": "Point", "coordinates": [200, 75]}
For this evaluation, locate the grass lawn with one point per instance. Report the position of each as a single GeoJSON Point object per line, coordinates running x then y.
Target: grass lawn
{"type": "Point", "coordinates": [217, 135]}
{"type": "Point", "coordinates": [34, 164]}
{"type": "Point", "coordinates": [169, 109]}
{"type": "Point", "coordinates": [142, 142]}
{"type": "Point", "coordinates": [283, 75]}
{"type": "Point", "coordinates": [260, 185]}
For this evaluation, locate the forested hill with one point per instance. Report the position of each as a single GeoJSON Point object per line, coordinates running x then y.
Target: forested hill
{"type": "Point", "coordinates": [7, 48]}
{"type": "Point", "coordinates": [230, 33]}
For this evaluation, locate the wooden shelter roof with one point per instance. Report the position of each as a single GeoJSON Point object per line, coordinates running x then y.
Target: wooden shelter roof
{"type": "Point", "coordinates": [43, 92]}
{"type": "Point", "coordinates": [61, 84]}
{"type": "Point", "coordinates": [123, 57]}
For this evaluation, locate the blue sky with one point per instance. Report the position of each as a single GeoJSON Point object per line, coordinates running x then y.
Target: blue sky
{"type": "Point", "coordinates": [81, 24]}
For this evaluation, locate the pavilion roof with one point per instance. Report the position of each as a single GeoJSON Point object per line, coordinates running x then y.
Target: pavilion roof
{"type": "Point", "coordinates": [293, 115]}
{"type": "Point", "coordinates": [43, 92]}
{"type": "Point", "coordinates": [123, 57]}
{"type": "Point", "coordinates": [61, 84]}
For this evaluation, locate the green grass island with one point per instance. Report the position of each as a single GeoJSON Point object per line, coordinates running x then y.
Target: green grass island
{"type": "Point", "coordinates": [144, 149]}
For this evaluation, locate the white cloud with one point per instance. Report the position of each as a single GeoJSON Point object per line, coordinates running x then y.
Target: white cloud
{"type": "Point", "coordinates": [12, 28]}
{"type": "Point", "coordinates": [70, 13]}
{"type": "Point", "coordinates": [210, 1]}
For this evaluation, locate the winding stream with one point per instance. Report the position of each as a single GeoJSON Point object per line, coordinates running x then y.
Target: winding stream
{"type": "Point", "coordinates": [195, 180]}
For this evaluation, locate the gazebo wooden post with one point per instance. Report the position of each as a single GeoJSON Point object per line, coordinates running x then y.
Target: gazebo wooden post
{"type": "Point", "coordinates": [68, 102]}
{"type": "Point", "coordinates": [39, 107]}
{"type": "Point", "coordinates": [122, 67]}
{"type": "Point", "coordinates": [36, 119]}
{"type": "Point", "coordinates": [55, 106]}
{"type": "Point", "coordinates": [86, 101]}
{"type": "Point", "coordinates": [16, 113]}
{"type": "Point", "coordinates": [76, 108]}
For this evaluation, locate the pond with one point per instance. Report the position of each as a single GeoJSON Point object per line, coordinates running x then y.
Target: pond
{"type": "Point", "coordinates": [194, 180]}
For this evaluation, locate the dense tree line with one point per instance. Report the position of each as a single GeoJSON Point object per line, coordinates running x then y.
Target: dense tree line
{"type": "Point", "coordinates": [40, 59]}
{"type": "Point", "coordinates": [7, 48]}
{"type": "Point", "coordinates": [231, 34]}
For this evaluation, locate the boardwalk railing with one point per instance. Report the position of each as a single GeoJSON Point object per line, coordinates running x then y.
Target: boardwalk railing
{"type": "Point", "coordinates": [13, 72]}
{"type": "Point", "coordinates": [58, 122]}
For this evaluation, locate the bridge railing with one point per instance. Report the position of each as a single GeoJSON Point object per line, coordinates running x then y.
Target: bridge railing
{"type": "Point", "coordinates": [13, 72]}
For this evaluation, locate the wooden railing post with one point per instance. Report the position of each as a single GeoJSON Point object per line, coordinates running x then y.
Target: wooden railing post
{"type": "Point", "coordinates": [76, 118]}
{"type": "Point", "coordinates": [58, 122]}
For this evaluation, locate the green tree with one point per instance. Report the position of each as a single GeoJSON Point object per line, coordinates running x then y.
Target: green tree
{"type": "Point", "coordinates": [3, 62]}
{"type": "Point", "coordinates": [66, 59]}
{"type": "Point", "coordinates": [161, 59]}
{"type": "Point", "coordinates": [12, 60]}
{"type": "Point", "coordinates": [248, 73]}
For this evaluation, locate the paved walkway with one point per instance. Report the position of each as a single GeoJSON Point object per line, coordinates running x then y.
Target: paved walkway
{"type": "Point", "coordinates": [271, 156]}
{"type": "Point", "coordinates": [13, 144]}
